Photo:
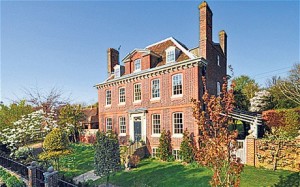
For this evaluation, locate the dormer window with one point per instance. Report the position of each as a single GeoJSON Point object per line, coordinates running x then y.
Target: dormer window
{"type": "Point", "coordinates": [171, 54]}
{"type": "Point", "coordinates": [137, 65]}
{"type": "Point", "coordinates": [218, 60]}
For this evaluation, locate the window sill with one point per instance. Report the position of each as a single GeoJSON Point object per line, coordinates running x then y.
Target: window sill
{"type": "Point", "coordinates": [156, 99]}
{"type": "Point", "coordinates": [155, 135]}
{"type": "Point", "coordinates": [177, 135]}
{"type": "Point", "coordinates": [138, 70]}
{"type": "Point", "coordinates": [177, 96]}
{"type": "Point", "coordinates": [137, 102]}
{"type": "Point", "coordinates": [107, 106]}
{"type": "Point", "coordinates": [121, 104]}
{"type": "Point", "coordinates": [122, 134]}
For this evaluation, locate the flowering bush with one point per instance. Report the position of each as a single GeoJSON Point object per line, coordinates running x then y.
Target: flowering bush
{"type": "Point", "coordinates": [29, 128]}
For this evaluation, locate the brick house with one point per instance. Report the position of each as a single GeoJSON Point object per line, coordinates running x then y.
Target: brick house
{"type": "Point", "coordinates": [154, 87]}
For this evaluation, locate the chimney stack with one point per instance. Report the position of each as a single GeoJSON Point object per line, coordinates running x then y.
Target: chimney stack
{"type": "Point", "coordinates": [223, 41]}
{"type": "Point", "coordinates": [112, 60]}
{"type": "Point", "coordinates": [205, 29]}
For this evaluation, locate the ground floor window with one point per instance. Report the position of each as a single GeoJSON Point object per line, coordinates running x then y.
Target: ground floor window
{"type": "Point", "coordinates": [108, 124]}
{"type": "Point", "coordinates": [154, 152]}
{"type": "Point", "coordinates": [122, 125]}
{"type": "Point", "coordinates": [178, 123]}
{"type": "Point", "coordinates": [175, 153]}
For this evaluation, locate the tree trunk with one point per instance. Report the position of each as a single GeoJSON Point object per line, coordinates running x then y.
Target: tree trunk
{"type": "Point", "coordinates": [276, 156]}
{"type": "Point", "coordinates": [107, 179]}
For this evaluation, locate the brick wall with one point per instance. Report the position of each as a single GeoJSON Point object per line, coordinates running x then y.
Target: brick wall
{"type": "Point", "coordinates": [165, 106]}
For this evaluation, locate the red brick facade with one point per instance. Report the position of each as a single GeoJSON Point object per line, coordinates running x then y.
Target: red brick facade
{"type": "Point", "coordinates": [189, 63]}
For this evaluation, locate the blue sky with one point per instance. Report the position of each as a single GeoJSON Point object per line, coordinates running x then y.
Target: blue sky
{"type": "Point", "coordinates": [63, 43]}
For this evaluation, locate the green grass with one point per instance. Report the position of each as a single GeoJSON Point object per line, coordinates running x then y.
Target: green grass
{"type": "Point", "coordinates": [80, 161]}
{"type": "Point", "coordinates": [156, 173]}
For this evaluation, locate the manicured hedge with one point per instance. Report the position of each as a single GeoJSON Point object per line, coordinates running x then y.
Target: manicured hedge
{"type": "Point", "coordinates": [10, 180]}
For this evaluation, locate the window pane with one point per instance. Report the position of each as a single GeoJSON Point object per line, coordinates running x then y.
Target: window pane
{"type": "Point", "coordinates": [108, 97]}
{"type": "Point", "coordinates": [137, 92]}
{"type": "Point", "coordinates": [177, 84]}
{"type": "Point", "coordinates": [122, 125]}
{"type": "Point", "coordinates": [155, 88]}
{"type": "Point", "coordinates": [108, 124]}
{"type": "Point", "coordinates": [156, 123]}
{"type": "Point", "coordinates": [178, 123]}
{"type": "Point", "coordinates": [122, 95]}
{"type": "Point", "coordinates": [137, 64]}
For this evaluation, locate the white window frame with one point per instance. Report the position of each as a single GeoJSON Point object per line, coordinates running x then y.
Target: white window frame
{"type": "Point", "coordinates": [181, 78]}
{"type": "Point", "coordinates": [154, 153]}
{"type": "Point", "coordinates": [137, 61]}
{"type": "Point", "coordinates": [218, 60]}
{"type": "Point", "coordinates": [108, 97]}
{"type": "Point", "coordinates": [176, 134]}
{"type": "Point", "coordinates": [155, 95]}
{"type": "Point", "coordinates": [171, 54]}
{"type": "Point", "coordinates": [122, 123]}
{"type": "Point", "coordinates": [175, 153]}
{"type": "Point", "coordinates": [218, 88]}
{"type": "Point", "coordinates": [135, 98]}
{"type": "Point", "coordinates": [108, 126]}
{"type": "Point", "coordinates": [122, 98]}
{"type": "Point", "coordinates": [154, 123]}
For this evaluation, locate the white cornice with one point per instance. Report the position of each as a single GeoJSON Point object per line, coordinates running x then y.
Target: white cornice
{"type": "Point", "coordinates": [167, 68]}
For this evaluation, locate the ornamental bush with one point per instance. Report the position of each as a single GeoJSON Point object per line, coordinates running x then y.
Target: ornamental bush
{"type": "Point", "coordinates": [284, 123]}
{"type": "Point", "coordinates": [10, 180]}
{"type": "Point", "coordinates": [56, 145]}
{"type": "Point", "coordinates": [164, 151]}
{"type": "Point", "coordinates": [186, 148]}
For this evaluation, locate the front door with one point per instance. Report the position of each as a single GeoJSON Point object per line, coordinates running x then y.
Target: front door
{"type": "Point", "coordinates": [137, 125]}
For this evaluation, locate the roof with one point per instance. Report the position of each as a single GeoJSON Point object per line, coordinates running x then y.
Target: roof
{"type": "Point", "coordinates": [91, 114]}
{"type": "Point", "coordinates": [161, 46]}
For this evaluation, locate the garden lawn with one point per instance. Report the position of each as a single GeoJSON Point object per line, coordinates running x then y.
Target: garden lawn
{"type": "Point", "coordinates": [156, 173]}
{"type": "Point", "coordinates": [152, 172]}
{"type": "Point", "coordinates": [80, 161]}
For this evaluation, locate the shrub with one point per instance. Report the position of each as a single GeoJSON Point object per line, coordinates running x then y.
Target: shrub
{"type": "Point", "coordinates": [284, 123]}
{"type": "Point", "coordinates": [186, 148]}
{"type": "Point", "coordinates": [134, 160]}
{"type": "Point", "coordinates": [10, 180]}
{"type": "Point", "coordinates": [165, 147]}
{"type": "Point", "coordinates": [14, 182]}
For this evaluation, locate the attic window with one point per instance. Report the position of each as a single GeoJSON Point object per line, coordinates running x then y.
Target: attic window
{"type": "Point", "coordinates": [117, 71]}
{"type": "Point", "coordinates": [137, 65]}
{"type": "Point", "coordinates": [170, 54]}
{"type": "Point", "coordinates": [218, 60]}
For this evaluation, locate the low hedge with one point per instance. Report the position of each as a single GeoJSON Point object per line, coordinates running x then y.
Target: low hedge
{"type": "Point", "coordinates": [10, 180]}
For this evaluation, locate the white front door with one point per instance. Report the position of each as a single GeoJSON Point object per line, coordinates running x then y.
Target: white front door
{"type": "Point", "coordinates": [137, 127]}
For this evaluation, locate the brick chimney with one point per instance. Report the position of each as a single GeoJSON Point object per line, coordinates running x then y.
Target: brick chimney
{"type": "Point", "coordinates": [205, 29]}
{"type": "Point", "coordinates": [223, 41]}
{"type": "Point", "coordinates": [112, 60]}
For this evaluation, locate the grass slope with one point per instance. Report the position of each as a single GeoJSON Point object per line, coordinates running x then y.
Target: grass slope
{"type": "Point", "coordinates": [156, 173]}
{"type": "Point", "coordinates": [80, 161]}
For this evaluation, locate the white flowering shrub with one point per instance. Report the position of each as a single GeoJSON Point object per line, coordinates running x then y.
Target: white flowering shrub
{"type": "Point", "coordinates": [29, 128]}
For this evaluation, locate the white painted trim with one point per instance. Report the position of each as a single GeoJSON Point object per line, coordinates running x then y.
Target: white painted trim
{"type": "Point", "coordinates": [143, 124]}
{"type": "Point", "coordinates": [177, 135]}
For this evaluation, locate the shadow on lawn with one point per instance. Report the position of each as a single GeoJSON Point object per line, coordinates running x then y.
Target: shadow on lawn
{"type": "Point", "coordinates": [164, 175]}
{"type": "Point", "coordinates": [290, 180]}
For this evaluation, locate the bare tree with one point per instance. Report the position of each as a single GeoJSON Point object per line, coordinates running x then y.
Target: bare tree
{"type": "Point", "coordinates": [290, 87]}
{"type": "Point", "coordinates": [49, 100]}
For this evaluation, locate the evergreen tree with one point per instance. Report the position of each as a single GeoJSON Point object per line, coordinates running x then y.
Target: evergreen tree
{"type": "Point", "coordinates": [186, 148]}
{"type": "Point", "coordinates": [107, 154]}
{"type": "Point", "coordinates": [165, 147]}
